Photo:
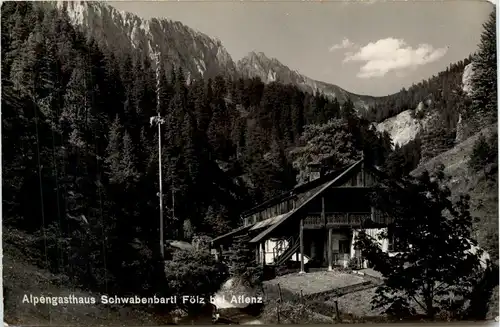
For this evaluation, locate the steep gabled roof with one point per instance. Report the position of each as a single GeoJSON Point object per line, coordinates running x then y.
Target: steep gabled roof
{"type": "Point", "coordinates": [232, 233]}
{"type": "Point", "coordinates": [308, 196]}
{"type": "Point", "coordinates": [302, 194]}
{"type": "Point", "coordinates": [299, 192]}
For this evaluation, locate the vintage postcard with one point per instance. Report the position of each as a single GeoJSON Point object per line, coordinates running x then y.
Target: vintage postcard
{"type": "Point", "coordinates": [249, 162]}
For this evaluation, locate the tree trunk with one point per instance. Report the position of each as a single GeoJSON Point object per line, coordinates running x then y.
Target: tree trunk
{"type": "Point", "coordinates": [429, 307]}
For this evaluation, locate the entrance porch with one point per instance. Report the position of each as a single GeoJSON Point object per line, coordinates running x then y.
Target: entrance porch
{"type": "Point", "coordinates": [322, 248]}
{"type": "Point", "coordinates": [317, 248]}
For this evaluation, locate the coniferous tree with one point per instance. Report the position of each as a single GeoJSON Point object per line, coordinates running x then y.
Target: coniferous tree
{"type": "Point", "coordinates": [484, 79]}
{"type": "Point", "coordinates": [348, 111]}
{"type": "Point", "coordinates": [436, 139]}
{"type": "Point", "coordinates": [128, 160]}
{"type": "Point", "coordinates": [242, 263]}
{"type": "Point", "coordinates": [484, 154]}
{"type": "Point", "coordinates": [114, 149]}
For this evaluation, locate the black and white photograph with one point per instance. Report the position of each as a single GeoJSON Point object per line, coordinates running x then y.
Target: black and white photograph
{"type": "Point", "coordinates": [240, 162]}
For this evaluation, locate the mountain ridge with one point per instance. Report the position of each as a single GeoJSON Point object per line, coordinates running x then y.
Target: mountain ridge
{"type": "Point", "coordinates": [200, 55]}
{"type": "Point", "coordinates": [258, 64]}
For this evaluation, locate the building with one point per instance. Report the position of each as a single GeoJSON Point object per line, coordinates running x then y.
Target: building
{"type": "Point", "coordinates": [316, 223]}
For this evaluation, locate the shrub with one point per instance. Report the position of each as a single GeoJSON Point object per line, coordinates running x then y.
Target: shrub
{"type": "Point", "coordinates": [194, 273]}
{"type": "Point", "coordinates": [484, 154]}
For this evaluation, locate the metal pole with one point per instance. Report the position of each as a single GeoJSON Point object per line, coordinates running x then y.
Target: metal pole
{"type": "Point", "coordinates": [161, 189]}
{"type": "Point", "coordinates": [173, 197]}
{"type": "Point", "coordinates": [159, 122]}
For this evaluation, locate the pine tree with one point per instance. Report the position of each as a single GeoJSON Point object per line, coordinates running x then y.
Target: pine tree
{"type": "Point", "coordinates": [242, 263]}
{"type": "Point", "coordinates": [219, 129]}
{"type": "Point", "coordinates": [484, 153]}
{"type": "Point", "coordinates": [484, 79]}
{"type": "Point", "coordinates": [128, 160]}
{"type": "Point", "coordinates": [113, 151]}
{"type": "Point", "coordinates": [348, 111]}
{"type": "Point", "coordinates": [436, 139]}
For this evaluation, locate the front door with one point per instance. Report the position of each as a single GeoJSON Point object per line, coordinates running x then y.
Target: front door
{"type": "Point", "coordinates": [344, 252]}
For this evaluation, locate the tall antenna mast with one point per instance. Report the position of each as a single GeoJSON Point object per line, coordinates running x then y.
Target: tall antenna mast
{"type": "Point", "coordinates": [158, 120]}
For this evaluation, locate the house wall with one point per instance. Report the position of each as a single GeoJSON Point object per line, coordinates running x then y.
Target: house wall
{"type": "Point", "coordinates": [363, 178]}
{"type": "Point", "coordinates": [375, 233]}
{"type": "Point", "coordinates": [316, 246]}
{"type": "Point", "coordinates": [269, 255]}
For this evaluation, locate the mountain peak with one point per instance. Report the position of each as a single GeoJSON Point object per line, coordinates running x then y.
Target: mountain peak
{"type": "Point", "coordinates": [199, 55]}
{"type": "Point", "coordinates": [257, 64]}
{"type": "Point", "coordinates": [178, 45]}
{"type": "Point", "coordinates": [260, 57]}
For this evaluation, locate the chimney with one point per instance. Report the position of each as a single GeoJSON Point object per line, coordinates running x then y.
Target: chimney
{"type": "Point", "coordinates": [314, 171]}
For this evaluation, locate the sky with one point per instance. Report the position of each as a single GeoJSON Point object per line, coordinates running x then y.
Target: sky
{"type": "Point", "coordinates": [373, 48]}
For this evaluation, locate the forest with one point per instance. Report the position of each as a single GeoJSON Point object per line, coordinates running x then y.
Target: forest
{"type": "Point", "coordinates": [441, 92]}
{"type": "Point", "coordinates": [80, 155]}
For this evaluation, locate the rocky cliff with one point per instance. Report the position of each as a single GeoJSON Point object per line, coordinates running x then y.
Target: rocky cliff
{"type": "Point", "coordinates": [198, 54]}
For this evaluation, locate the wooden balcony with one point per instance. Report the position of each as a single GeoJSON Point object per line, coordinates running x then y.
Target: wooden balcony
{"type": "Point", "coordinates": [341, 219]}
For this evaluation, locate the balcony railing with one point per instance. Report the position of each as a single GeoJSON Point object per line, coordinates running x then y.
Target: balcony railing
{"type": "Point", "coordinates": [335, 219]}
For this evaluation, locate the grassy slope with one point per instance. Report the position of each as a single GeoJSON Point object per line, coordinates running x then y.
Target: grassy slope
{"type": "Point", "coordinates": [483, 195]}
{"type": "Point", "coordinates": [22, 276]}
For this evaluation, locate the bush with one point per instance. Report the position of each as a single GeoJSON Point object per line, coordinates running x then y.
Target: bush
{"type": "Point", "coordinates": [194, 273]}
{"type": "Point", "coordinates": [484, 154]}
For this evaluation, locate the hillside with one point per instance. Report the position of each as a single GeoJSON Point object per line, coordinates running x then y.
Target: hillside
{"type": "Point", "coordinates": [22, 276]}
{"type": "Point", "coordinates": [414, 112]}
{"type": "Point", "coordinates": [201, 57]}
{"type": "Point", "coordinates": [483, 193]}
{"type": "Point", "coordinates": [405, 127]}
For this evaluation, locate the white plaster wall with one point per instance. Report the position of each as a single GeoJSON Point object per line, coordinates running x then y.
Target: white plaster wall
{"type": "Point", "coordinates": [373, 232]}
{"type": "Point", "coordinates": [269, 245]}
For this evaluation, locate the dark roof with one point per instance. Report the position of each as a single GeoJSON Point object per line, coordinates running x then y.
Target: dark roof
{"type": "Point", "coordinates": [305, 198]}
{"type": "Point", "coordinates": [299, 192]}
{"type": "Point", "coordinates": [231, 233]}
